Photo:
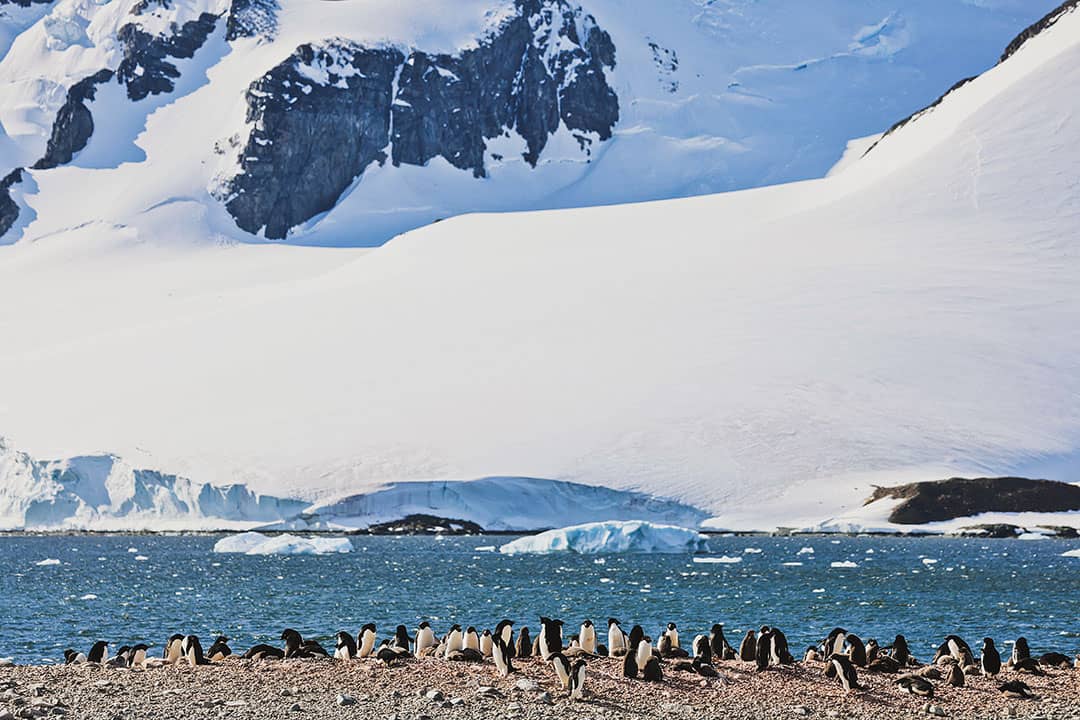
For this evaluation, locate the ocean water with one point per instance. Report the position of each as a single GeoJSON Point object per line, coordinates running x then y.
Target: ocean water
{"type": "Point", "coordinates": [127, 589]}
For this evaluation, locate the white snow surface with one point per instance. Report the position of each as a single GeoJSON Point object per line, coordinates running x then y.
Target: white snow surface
{"type": "Point", "coordinates": [253, 543]}
{"type": "Point", "coordinates": [766, 356]}
{"type": "Point", "coordinates": [764, 92]}
{"type": "Point", "coordinates": [610, 537]}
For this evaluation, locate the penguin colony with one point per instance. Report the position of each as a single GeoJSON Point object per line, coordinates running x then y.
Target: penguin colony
{"type": "Point", "coordinates": [844, 654]}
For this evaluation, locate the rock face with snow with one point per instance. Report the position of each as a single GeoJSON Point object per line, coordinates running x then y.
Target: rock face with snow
{"type": "Point", "coordinates": [940, 500]}
{"type": "Point", "coordinates": [610, 537]}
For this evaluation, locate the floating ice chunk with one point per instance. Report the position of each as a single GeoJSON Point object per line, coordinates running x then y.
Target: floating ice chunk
{"type": "Point", "coordinates": [485, 548]}
{"type": "Point", "coordinates": [752, 551]}
{"type": "Point", "coordinates": [47, 561]}
{"type": "Point", "coordinates": [792, 564]}
{"type": "Point", "coordinates": [843, 564]}
{"type": "Point", "coordinates": [805, 551]}
{"type": "Point", "coordinates": [1071, 553]}
{"type": "Point", "coordinates": [133, 550]}
{"type": "Point", "coordinates": [613, 536]}
{"type": "Point", "coordinates": [722, 559]}
{"type": "Point", "coordinates": [141, 558]}
{"type": "Point", "coordinates": [1031, 536]}
{"type": "Point", "coordinates": [818, 591]}
{"type": "Point", "coordinates": [89, 596]}
{"type": "Point", "coordinates": [252, 543]}
{"type": "Point", "coordinates": [929, 561]}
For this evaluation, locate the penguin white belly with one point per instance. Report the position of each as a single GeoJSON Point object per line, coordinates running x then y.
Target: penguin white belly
{"type": "Point", "coordinates": [472, 642]}
{"type": "Point", "coordinates": [367, 644]}
{"type": "Point", "coordinates": [174, 652]}
{"type": "Point", "coordinates": [615, 639]}
{"type": "Point", "coordinates": [588, 639]}
{"type": "Point", "coordinates": [485, 645]}
{"type": "Point", "coordinates": [561, 672]}
{"type": "Point", "coordinates": [644, 652]}
{"type": "Point", "coordinates": [424, 639]}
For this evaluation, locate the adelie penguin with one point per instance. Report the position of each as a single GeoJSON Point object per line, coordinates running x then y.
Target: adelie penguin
{"type": "Point", "coordinates": [629, 666]}
{"type": "Point", "coordinates": [989, 658]}
{"type": "Point", "coordinates": [1020, 651]}
{"type": "Point", "coordinates": [856, 650]}
{"type": "Point", "coordinates": [472, 639]}
{"type": "Point", "coordinates": [219, 650]}
{"type": "Point", "coordinates": [721, 648]}
{"type": "Point", "coordinates": [297, 647]}
{"type": "Point", "coordinates": [872, 650]}
{"type": "Point", "coordinates": [672, 634]}
{"type": "Point", "coordinates": [263, 651]}
{"type": "Point", "coordinates": [193, 652]}
{"type": "Point", "coordinates": [550, 637]}
{"type": "Point", "coordinates": [763, 651]}
{"type": "Point", "coordinates": [833, 644]}
{"type": "Point", "coordinates": [702, 649]}
{"type": "Point", "coordinates": [172, 652]}
{"type": "Point", "coordinates": [643, 653]}
{"type": "Point", "coordinates": [401, 637]}
{"type": "Point", "coordinates": [486, 643]}
{"type": "Point", "coordinates": [616, 638]}
{"type": "Point", "coordinates": [389, 652]}
{"type": "Point", "coordinates": [500, 653]}
{"type": "Point", "coordinates": [425, 638]}
{"type": "Point", "coordinates": [455, 640]}
{"type": "Point", "coordinates": [634, 638]}
{"type": "Point", "coordinates": [652, 671]}
{"type": "Point", "coordinates": [505, 630]}
{"type": "Point", "coordinates": [704, 669]}
{"type": "Point", "coordinates": [345, 646]}
{"type": "Point", "coordinates": [916, 685]}
{"type": "Point", "coordinates": [845, 671]}
{"type": "Point", "coordinates": [120, 660]}
{"type": "Point", "coordinates": [748, 647]}
{"type": "Point", "coordinates": [523, 648]}
{"type": "Point", "coordinates": [99, 652]}
{"type": "Point", "coordinates": [1017, 689]}
{"type": "Point", "coordinates": [561, 665]}
{"type": "Point", "coordinates": [365, 640]}
{"type": "Point", "coordinates": [955, 676]}
{"type": "Point", "coordinates": [74, 658]}
{"type": "Point", "coordinates": [137, 658]}
{"type": "Point", "coordinates": [587, 637]}
{"type": "Point", "coordinates": [900, 651]}
{"type": "Point", "coordinates": [577, 680]}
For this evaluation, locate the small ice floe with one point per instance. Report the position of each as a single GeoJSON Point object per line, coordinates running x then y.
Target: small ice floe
{"type": "Point", "coordinates": [133, 550]}
{"type": "Point", "coordinates": [89, 596]}
{"type": "Point", "coordinates": [843, 564]}
{"type": "Point", "coordinates": [141, 558]}
{"type": "Point", "coordinates": [870, 551]}
{"type": "Point", "coordinates": [805, 551]}
{"type": "Point", "coordinates": [818, 591]}
{"type": "Point", "coordinates": [792, 564]}
{"type": "Point", "coordinates": [485, 548]}
{"type": "Point", "coordinates": [1071, 553]}
{"type": "Point", "coordinates": [599, 561]}
{"type": "Point", "coordinates": [835, 542]}
{"type": "Point", "coordinates": [929, 561]}
{"type": "Point", "coordinates": [725, 559]}
{"type": "Point", "coordinates": [47, 561]}
{"type": "Point", "coordinates": [253, 543]}
{"type": "Point", "coordinates": [752, 551]}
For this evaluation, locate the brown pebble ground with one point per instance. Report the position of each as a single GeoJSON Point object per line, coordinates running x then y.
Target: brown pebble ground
{"type": "Point", "coordinates": [260, 690]}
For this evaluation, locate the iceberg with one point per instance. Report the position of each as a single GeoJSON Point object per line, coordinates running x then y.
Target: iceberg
{"type": "Point", "coordinates": [47, 561]}
{"type": "Point", "coordinates": [634, 536]}
{"type": "Point", "coordinates": [844, 564]}
{"type": "Point", "coordinates": [1071, 553]}
{"type": "Point", "coordinates": [253, 543]}
{"type": "Point", "coordinates": [724, 559]}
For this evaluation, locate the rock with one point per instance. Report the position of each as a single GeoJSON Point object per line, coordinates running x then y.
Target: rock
{"type": "Point", "coordinates": [486, 691]}
{"type": "Point", "coordinates": [527, 685]}
{"type": "Point", "coordinates": [236, 703]}
{"type": "Point", "coordinates": [9, 209]}
{"type": "Point", "coordinates": [343, 699]}
{"type": "Point", "coordinates": [5, 715]}
{"type": "Point", "coordinates": [514, 707]}
{"type": "Point", "coordinates": [455, 702]}
{"type": "Point", "coordinates": [545, 698]}
{"type": "Point", "coordinates": [74, 124]}
{"type": "Point", "coordinates": [426, 525]}
{"type": "Point", "coordinates": [434, 695]}
{"type": "Point", "coordinates": [800, 710]}
{"type": "Point", "coordinates": [936, 710]}
{"type": "Point", "coordinates": [295, 707]}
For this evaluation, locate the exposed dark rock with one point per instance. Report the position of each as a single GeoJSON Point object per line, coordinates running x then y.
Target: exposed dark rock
{"type": "Point", "coordinates": [145, 68]}
{"type": "Point", "coordinates": [543, 67]}
{"type": "Point", "coordinates": [74, 124]}
{"type": "Point", "coordinates": [426, 525]}
{"type": "Point", "coordinates": [991, 530]}
{"type": "Point", "coordinates": [9, 209]}
{"type": "Point", "coordinates": [24, 3]}
{"type": "Point", "coordinates": [252, 18]}
{"type": "Point", "coordinates": [1047, 21]}
{"type": "Point", "coordinates": [939, 500]}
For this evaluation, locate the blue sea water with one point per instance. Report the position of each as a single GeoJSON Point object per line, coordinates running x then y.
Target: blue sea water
{"type": "Point", "coordinates": [127, 589]}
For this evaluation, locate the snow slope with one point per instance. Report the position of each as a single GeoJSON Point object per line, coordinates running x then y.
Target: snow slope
{"type": "Point", "coordinates": [764, 355]}
{"type": "Point", "coordinates": [713, 96]}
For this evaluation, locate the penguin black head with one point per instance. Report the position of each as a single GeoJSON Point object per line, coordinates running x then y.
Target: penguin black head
{"type": "Point", "coordinates": [988, 642]}
{"type": "Point", "coordinates": [425, 624]}
{"type": "Point", "coordinates": [141, 646]}
{"type": "Point", "coordinates": [289, 635]}
{"type": "Point", "coordinates": [455, 627]}
{"type": "Point", "coordinates": [612, 621]}
{"type": "Point", "coordinates": [587, 623]}
{"type": "Point", "coordinates": [97, 652]}
{"type": "Point", "coordinates": [367, 627]}
{"type": "Point", "coordinates": [764, 629]}
{"type": "Point", "coordinates": [671, 626]}
{"type": "Point", "coordinates": [486, 633]}
{"type": "Point", "coordinates": [717, 627]}
{"type": "Point", "coordinates": [174, 637]}
{"type": "Point", "coordinates": [221, 639]}
{"type": "Point", "coordinates": [470, 629]}
{"type": "Point", "coordinates": [69, 656]}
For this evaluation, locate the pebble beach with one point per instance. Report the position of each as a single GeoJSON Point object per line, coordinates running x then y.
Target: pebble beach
{"type": "Point", "coordinates": [439, 690]}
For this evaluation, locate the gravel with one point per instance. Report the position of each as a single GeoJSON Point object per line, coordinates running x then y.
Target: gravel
{"type": "Point", "coordinates": [260, 690]}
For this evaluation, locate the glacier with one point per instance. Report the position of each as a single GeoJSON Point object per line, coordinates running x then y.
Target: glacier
{"type": "Point", "coordinates": [610, 537]}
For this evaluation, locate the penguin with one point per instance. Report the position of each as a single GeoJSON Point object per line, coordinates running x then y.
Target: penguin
{"type": "Point", "coordinates": [587, 637]}
{"type": "Point", "coordinates": [577, 680]}
{"type": "Point", "coordinates": [388, 653]}
{"type": "Point", "coordinates": [634, 638]}
{"type": "Point", "coordinates": [455, 640]}
{"type": "Point", "coordinates": [219, 650]}
{"type": "Point", "coordinates": [99, 652]}
{"type": "Point", "coordinates": [137, 658]}
{"type": "Point", "coordinates": [702, 649]}
{"type": "Point", "coordinates": [672, 633]}
{"type": "Point", "coordinates": [486, 646]}
{"type": "Point", "coordinates": [74, 658]}
{"type": "Point", "coordinates": [297, 647]}
{"type": "Point", "coordinates": [955, 676]}
{"type": "Point", "coordinates": [505, 630]}
{"type": "Point", "coordinates": [523, 649]}
{"type": "Point", "coordinates": [629, 666]}
{"type": "Point", "coordinates": [833, 644]}
{"type": "Point", "coordinates": [345, 646]}
{"type": "Point", "coordinates": [721, 648]}
{"type": "Point", "coordinates": [884, 664]}
{"type": "Point", "coordinates": [264, 652]}
{"type": "Point", "coordinates": [365, 640]}
{"type": "Point", "coordinates": [954, 647]}
{"type": "Point", "coordinates": [172, 654]}
{"type": "Point", "coordinates": [916, 685]}
{"type": "Point", "coordinates": [812, 654]}
{"type": "Point", "coordinates": [472, 639]}
{"type": "Point", "coordinates": [663, 647]}
{"type": "Point", "coordinates": [550, 638]}
{"type": "Point", "coordinates": [1017, 689]}
{"type": "Point", "coordinates": [1076, 663]}
{"type": "Point", "coordinates": [872, 650]}
{"type": "Point", "coordinates": [704, 669]}
{"type": "Point", "coordinates": [193, 652]}
{"type": "Point", "coordinates": [900, 651]}
{"type": "Point", "coordinates": [425, 637]}
{"type": "Point", "coordinates": [845, 671]}
{"type": "Point", "coordinates": [401, 637]}
{"type": "Point", "coordinates": [652, 672]}
{"type": "Point", "coordinates": [120, 660]}
{"type": "Point", "coordinates": [748, 647]}
{"type": "Point", "coordinates": [930, 672]}
{"type": "Point", "coordinates": [856, 650]}
{"type": "Point", "coordinates": [781, 655]}
{"type": "Point", "coordinates": [643, 653]}
{"type": "Point", "coordinates": [990, 658]}
{"type": "Point", "coordinates": [1054, 659]}
{"type": "Point", "coordinates": [763, 651]}
{"type": "Point", "coordinates": [1028, 665]}
{"type": "Point", "coordinates": [500, 653]}
{"type": "Point", "coordinates": [562, 668]}
{"type": "Point", "coordinates": [1020, 651]}
{"type": "Point", "coordinates": [616, 638]}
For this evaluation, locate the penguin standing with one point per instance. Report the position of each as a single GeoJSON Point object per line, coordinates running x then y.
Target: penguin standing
{"type": "Point", "coordinates": [425, 637]}
{"type": "Point", "coordinates": [845, 671]}
{"type": "Point", "coordinates": [505, 630]}
{"type": "Point", "coordinates": [856, 650]}
{"type": "Point", "coordinates": [652, 672]}
{"type": "Point", "coordinates": [472, 639]}
{"type": "Point", "coordinates": [486, 646]}
{"type": "Point", "coordinates": [577, 680]}
{"type": "Point", "coordinates": [587, 637]}
{"type": "Point", "coordinates": [702, 648]}
{"type": "Point", "coordinates": [219, 650]}
{"type": "Point", "coordinates": [1020, 651]}
{"type": "Point", "coordinates": [345, 646]}
{"type": "Point", "coordinates": [616, 638]}
{"type": "Point", "coordinates": [672, 633]}
{"type": "Point", "coordinates": [872, 650]}
{"type": "Point", "coordinates": [455, 640]}
{"type": "Point", "coordinates": [634, 639]}
{"type": "Point", "coordinates": [193, 652]}
{"type": "Point", "coordinates": [138, 656]}
{"type": "Point", "coordinates": [834, 642]}
{"type": "Point", "coordinates": [629, 666]}
{"type": "Point", "coordinates": [989, 658]}
{"type": "Point", "coordinates": [721, 648]}
{"type": "Point", "coordinates": [172, 652]}
{"type": "Point", "coordinates": [955, 676]}
{"type": "Point", "coordinates": [365, 640]}
{"type": "Point", "coordinates": [99, 652]}
{"type": "Point", "coordinates": [562, 668]}
{"type": "Point", "coordinates": [523, 648]}
{"type": "Point", "coordinates": [551, 638]}
{"type": "Point", "coordinates": [900, 651]}
{"type": "Point", "coordinates": [500, 653]}
{"type": "Point", "coordinates": [401, 637]}
{"type": "Point", "coordinates": [748, 647]}
{"type": "Point", "coordinates": [643, 653]}
{"type": "Point", "coordinates": [763, 651]}
{"type": "Point", "coordinates": [778, 648]}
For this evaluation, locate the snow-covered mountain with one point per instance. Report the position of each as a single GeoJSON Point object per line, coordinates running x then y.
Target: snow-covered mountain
{"type": "Point", "coordinates": [765, 356]}
{"type": "Point", "coordinates": [347, 122]}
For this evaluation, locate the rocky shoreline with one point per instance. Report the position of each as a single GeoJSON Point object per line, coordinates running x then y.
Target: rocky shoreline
{"type": "Point", "coordinates": [427, 688]}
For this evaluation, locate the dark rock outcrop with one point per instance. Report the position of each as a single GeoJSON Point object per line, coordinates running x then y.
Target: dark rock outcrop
{"type": "Point", "coordinates": [252, 18]}
{"type": "Point", "coordinates": [426, 525]}
{"type": "Point", "coordinates": [329, 111]}
{"type": "Point", "coordinates": [146, 68]}
{"type": "Point", "coordinates": [74, 123]}
{"type": "Point", "coordinates": [9, 209]}
{"type": "Point", "coordinates": [939, 500]}
{"type": "Point", "coordinates": [24, 3]}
